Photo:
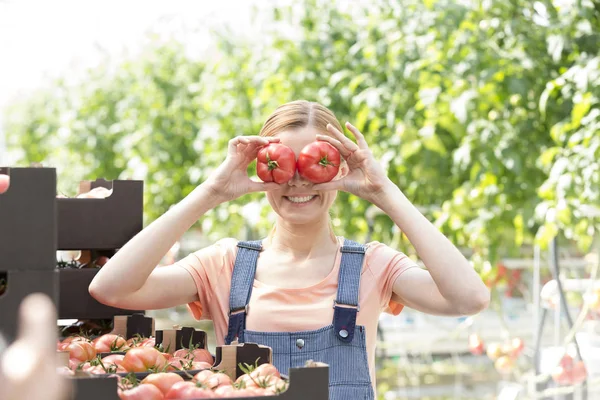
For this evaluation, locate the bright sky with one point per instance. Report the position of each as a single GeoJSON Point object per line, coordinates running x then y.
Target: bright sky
{"type": "Point", "coordinates": [42, 38]}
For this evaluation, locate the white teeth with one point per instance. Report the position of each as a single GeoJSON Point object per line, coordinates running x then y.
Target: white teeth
{"type": "Point", "coordinates": [303, 199]}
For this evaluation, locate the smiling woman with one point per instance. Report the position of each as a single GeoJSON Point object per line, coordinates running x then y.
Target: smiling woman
{"type": "Point", "coordinates": [302, 268]}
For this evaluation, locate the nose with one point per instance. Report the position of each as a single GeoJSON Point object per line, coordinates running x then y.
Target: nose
{"type": "Point", "coordinates": [298, 180]}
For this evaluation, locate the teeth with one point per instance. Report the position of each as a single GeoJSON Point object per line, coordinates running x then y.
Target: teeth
{"type": "Point", "coordinates": [303, 199]}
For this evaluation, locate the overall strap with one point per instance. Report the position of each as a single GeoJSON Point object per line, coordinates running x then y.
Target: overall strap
{"type": "Point", "coordinates": [241, 288]}
{"type": "Point", "coordinates": [346, 304]}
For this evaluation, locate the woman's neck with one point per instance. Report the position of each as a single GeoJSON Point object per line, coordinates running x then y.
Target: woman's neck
{"type": "Point", "coordinates": [303, 241]}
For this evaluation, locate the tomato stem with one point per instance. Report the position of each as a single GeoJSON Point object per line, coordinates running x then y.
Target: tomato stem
{"type": "Point", "coordinates": [271, 163]}
{"type": "Point", "coordinates": [324, 162]}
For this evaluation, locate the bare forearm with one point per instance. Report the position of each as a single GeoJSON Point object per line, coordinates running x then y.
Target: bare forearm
{"type": "Point", "coordinates": [141, 254]}
{"type": "Point", "coordinates": [452, 273]}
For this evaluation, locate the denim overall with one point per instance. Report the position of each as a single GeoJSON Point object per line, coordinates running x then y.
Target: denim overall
{"type": "Point", "coordinates": [341, 345]}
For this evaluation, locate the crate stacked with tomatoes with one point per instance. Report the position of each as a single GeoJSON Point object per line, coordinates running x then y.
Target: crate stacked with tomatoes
{"type": "Point", "coordinates": [56, 245]}
{"type": "Point", "coordinates": [148, 368]}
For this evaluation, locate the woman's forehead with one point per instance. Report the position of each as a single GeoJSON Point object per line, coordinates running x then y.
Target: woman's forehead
{"type": "Point", "coordinates": [297, 138]}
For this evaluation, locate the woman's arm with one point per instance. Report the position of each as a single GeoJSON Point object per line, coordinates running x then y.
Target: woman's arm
{"type": "Point", "coordinates": [131, 280]}
{"type": "Point", "coordinates": [450, 285]}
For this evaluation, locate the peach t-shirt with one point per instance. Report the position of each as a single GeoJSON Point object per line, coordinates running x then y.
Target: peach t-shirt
{"type": "Point", "coordinates": [304, 309]}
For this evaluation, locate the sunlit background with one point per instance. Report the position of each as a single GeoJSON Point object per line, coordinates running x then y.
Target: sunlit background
{"type": "Point", "coordinates": [485, 113]}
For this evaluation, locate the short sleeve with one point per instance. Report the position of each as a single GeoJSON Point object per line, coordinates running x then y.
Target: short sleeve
{"type": "Point", "coordinates": [210, 267]}
{"type": "Point", "coordinates": [386, 265]}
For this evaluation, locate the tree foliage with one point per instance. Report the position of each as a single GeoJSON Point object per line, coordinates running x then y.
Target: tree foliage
{"type": "Point", "coordinates": [487, 112]}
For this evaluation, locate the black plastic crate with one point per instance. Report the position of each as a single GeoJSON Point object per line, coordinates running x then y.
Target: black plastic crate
{"type": "Point", "coordinates": [28, 220]}
{"type": "Point", "coordinates": [101, 224]}
{"type": "Point", "coordinates": [18, 286]}
{"type": "Point", "coordinates": [76, 301]}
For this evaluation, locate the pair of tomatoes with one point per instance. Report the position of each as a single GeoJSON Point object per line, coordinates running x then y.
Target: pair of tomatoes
{"type": "Point", "coordinates": [318, 162]}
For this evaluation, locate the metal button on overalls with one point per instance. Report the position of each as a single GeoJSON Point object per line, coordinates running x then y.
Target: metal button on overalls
{"type": "Point", "coordinates": [341, 344]}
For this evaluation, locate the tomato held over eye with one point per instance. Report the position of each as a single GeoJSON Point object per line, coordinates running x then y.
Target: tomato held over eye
{"type": "Point", "coordinates": [276, 162]}
{"type": "Point", "coordinates": [319, 162]}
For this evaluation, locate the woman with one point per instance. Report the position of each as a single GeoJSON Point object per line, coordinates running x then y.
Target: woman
{"type": "Point", "coordinates": [302, 291]}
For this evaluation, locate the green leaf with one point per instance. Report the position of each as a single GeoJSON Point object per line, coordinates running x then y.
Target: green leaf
{"type": "Point", "coordinates": [580, 109]}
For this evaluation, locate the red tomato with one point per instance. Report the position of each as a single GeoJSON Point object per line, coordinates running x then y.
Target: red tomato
{"type": "Point", "coordinates": [188, 390]}
{"type": "Point", "coordinates": [114, 361]}
{"type": "Point", "coordinates": [475, 344]}
{"type": "Point", "coordinates": [163, 380]}
{"type": "Point", "coordinates": [196, 365]}
{"type": "Point", "coordinates": [179, 364]}
{"type": "Point", "coordinates": [504, 364]}
{"type": "Point", "coordinates": [517, 347]}
{"type": "Point", "coordinates": [83, 351]}
{"type": "Point", "coordinates": [276, 163]}
{"type": "Point", "coordinates": [198, 355]}
{"type": "Point", "coordinates": [267, 370]}
{"type": "Point", "coordinates": [567, 361]}
{"type": "Point", "coordinates": [96, 370]}
{"type": "Point", "coordinates": [141, 342]}
{"type": "Point", "coordinates": [226, 391]}
{"type": "Point", "coordinates": [579, 372]}
{"type": "Point", "coordinates": [71, 339]}
{"type": "Point", "coordinates": [246, 381]}
{"type": "Point", "coordinates": [4, 183]}
{"type": "Point", "coordinates": [142, 359]}
{"type": "Point", "coordinates": [278, 386]}
{"type": "Point", "coordinates": [319, 162]}
{"type": "Point", "coordinates": [143, 391]}
{"type": "Point", "coordinates": [74, 363]}
{"type": "Point", "coordinates": [501, 270]}
{"type": "Point", "coordinates": [202, 376]}
{"type": "Point", "coordinates": [101, 261]}
{"type": "Point", "coordinates": [109, 343]}
{"type": "Point", "coordinates": [218, 380]}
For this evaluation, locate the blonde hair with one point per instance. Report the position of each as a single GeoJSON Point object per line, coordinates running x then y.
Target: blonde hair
{"type": "Point", "coordinates": [299, 114]}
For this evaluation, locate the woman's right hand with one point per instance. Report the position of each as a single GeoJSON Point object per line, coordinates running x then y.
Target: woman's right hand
{"type": "Point", "coordinates": [230, 180]}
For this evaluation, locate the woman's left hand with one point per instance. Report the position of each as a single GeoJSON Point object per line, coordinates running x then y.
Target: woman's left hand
{"type": "Point", "coordinates": [366, 177]}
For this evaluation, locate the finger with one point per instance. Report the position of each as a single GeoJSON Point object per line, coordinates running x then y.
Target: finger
{"type": "Point", "coordinates": [350, 145]}
{"type": "Point", "coordinates": [360, 138]}
{"type": "Point", "coordinates": [263, 186]}
{"type": "Point", "coordinates": [37, 315]}
{"type": "Point", "coordinates": [332, 185]}
{"type": "Point", "coordinates": [337, 144]}
{"type": "Point", "coordinates": [233, 143]}
{"type": "Point", "coordinates": [262, 140]}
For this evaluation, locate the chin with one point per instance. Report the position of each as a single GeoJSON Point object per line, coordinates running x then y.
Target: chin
{"type": "Point", "coordinates": [302, 212]}
{"type": "Point", "coordinates": [302, 219]}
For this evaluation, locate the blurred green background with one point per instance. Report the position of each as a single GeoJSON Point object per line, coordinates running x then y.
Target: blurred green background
{"type": "Point", "coordinates": [485, 113]}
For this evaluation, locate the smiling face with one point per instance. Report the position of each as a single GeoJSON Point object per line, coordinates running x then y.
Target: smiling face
{"type": "Point", "coordinates": [297, 124]}
{"type": "Point", "coordinates": [296, 202]}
